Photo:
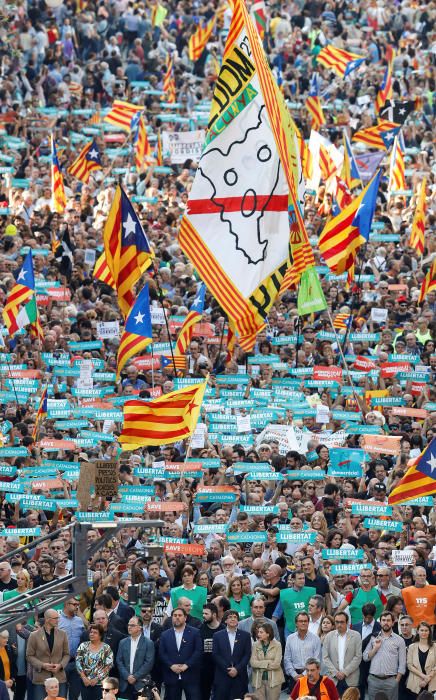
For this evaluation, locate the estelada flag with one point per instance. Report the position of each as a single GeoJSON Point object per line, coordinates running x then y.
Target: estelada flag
{"type": "Point", "coordinates": [59, 199]}
{"type": "Point", "coordinates": [428, 283]}
{"type": "Point", "coordinates": [88, 160]}
{"type": "Point", "coordinates": [236, 228]}
{"type": "Point", "coordinates": [420, 478]}
{"type": "Point", "coordinates": [193, 317]}
{"type": "Point", "coordinates": [342, 62]}
{"type": "Point", "coordinates": [121, 114]}
{"type": "Point", "coordinates": [21, 292]}
{"type": "Point", "coordinates": [380, 136]}
{"type": "Point", "coordinates": [137, 331]}
{"type": "Point", "coordinates": [170, 418]}
{"type": "Point", "coordinates": [127, 249]}
{"type": "Point", "coordinates": [102, 272]}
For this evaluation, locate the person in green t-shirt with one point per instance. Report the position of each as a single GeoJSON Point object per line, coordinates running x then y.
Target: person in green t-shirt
{"type": "Point", "coordinates": [196, 594]}
{"type": "Point", "coordinates": [293, 600]}
{"type": "Point", "coordinates": [239, 601]}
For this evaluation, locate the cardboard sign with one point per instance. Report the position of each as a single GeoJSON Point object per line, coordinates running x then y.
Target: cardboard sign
{"type": "Point", "coordinates": [106, 478]}
{"type": "Point", "coordinates": [86, 481]}
{"type": "Point", "coordinates": [382, 444]}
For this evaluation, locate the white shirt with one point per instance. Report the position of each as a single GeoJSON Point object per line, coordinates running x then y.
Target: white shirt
{"type": "Point", "coordinates": [232, 637]}
{"type": "Point", "coordinates": [133, 647]}
{"type": "Point", "coordinates": [342, 642]}
{"type": "Point", "coordinates": [314, 626]}
{"type": "Point", "coordinates": [146, 631]}
{"type": "Point", "coordinates": [179, 635]}
{"type": "Point", "coordinates": [367, 629]}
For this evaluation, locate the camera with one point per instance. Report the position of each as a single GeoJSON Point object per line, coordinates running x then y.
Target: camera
{"type": "Point", "coordinates": [147, 689]}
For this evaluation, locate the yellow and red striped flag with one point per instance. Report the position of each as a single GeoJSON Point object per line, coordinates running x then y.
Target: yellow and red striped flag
{"type": "Point", "coordinates": [41, 413]}
{"type": "Point", "coordinates": [169, 84]}
{"type": "Point", "coordinates": [193, 317]}
{"type": "Point", "coordinates": [231, 341]}
{"type": "Point", "coordinates": [87, 161]}
{"type": "Point", "coordinates": [418, 223]}
{"type": "Point", "coordinates": [397, 176]}
{"type": "Point", "coordinates": [198, 40]}
{"type": "Point", "coordinates": [22, 291]}
{"type": "Point", "coordinates": [343, 194]}
{"type": "Point", "coordinates": [59, 200]}
{"type": "Point", "coordinates": [137, 331]}
{"type": "Point", "coordinates": [179, 361]}
{"type": "Point", "coordinates": [313, 103]}
{"type": "Point", "coordinates": [420, 478]}
{"type": "Point", "coordinates": [159, 153]}
{"type": "Point", "coordinates": [326, 164]}
{"type": "Point", "coordinates": [385, 92]}
{"type": "Point", "coordinates": [342, 321]}
{"type": "Point", "coordinates": [379, 136]}
{"type": "Point", "coordinates": [342, 237]}
{"type": "Point", "coordinates": [127, 249]}
{"type": "Point", "coordinates": [342, 62]}
{"type": "Point", "coordinates": [94, 119]}
{"type": "Point", "coordinates": [428, 283]}
{"type": "Point", "coordinates": [142, 146]}
{"type": "Point", "coordinates": [169, 418]}
{"type": "Point", "coordinates": [121, 114]}
{"type": "Point", "coordinates": [102, 272]}
{"type": "Point", "coordinates": [350, 172]}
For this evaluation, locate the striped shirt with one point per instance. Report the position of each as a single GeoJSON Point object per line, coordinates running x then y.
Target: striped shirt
{"type": "Point", "coordinates": [298, 650]}
{"type": "Point", "coordinates": [390, 659]}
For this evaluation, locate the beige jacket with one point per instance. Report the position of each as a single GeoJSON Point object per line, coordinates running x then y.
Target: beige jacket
{"type": "Point", "coordinates": [271, 663]}
{"type": "Point", "coordinates": [415, 668]}
{"type": "Point", "coordinates": [38, 653]}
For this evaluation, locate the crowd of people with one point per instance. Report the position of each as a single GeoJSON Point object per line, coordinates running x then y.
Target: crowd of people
{"type": "Point", "coordinates": [282, 567]}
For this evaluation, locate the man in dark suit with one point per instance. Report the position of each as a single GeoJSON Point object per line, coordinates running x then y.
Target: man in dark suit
{"type": "Point", "coordinates": [368, 628]}
{"type": "Point", "coordinates": [180, 652]}
{"type": "Point", "coordinates": [119, 606]}
{"type": "Point", "coordinates": [135, 659]}
{"type": "Point", "coordinates": [191, 621]}
{"type": "Point", "coordinates": [231, 651]}
{"type": "Point", "coordinates": [104, 602]}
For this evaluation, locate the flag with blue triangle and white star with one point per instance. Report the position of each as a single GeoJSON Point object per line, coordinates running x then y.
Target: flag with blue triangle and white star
{"type": "Point", "coordinates": [89, 159]}
{"type": "Point", "coordinates": [21, 292]}
{"type": "Point", "coordinates": [127, 249]}
{"type": "Point", "coordinates": [137, 332]}
{"type": "Point", "coordinates": [419, 480]}
{"type": "Point", "coordinates": [193, 317]}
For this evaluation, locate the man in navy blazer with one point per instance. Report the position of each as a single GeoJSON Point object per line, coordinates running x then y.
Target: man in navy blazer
{"type": "Point", "coordinates": [180, 652]}
{"type": "Point", "coordinates": [231, 651]}
{"type": "Point", "coordinates": [135, 658]}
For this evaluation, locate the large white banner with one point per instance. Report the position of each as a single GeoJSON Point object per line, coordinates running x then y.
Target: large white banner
{"type": "Point", "coordinates": [183, 145]}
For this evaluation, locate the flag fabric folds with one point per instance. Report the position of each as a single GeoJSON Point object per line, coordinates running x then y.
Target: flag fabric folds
{"type": "Point", "coordinates": [169, 418]}
{"type": "Point", "coordinates": [180, 362]}
{"type": "Point", "coordinates": [64, 255]}
{"type": "Point", "coordinates": [121, 114]}
{"type": "Point", "coordinates": [198, 40]}
{"type": "Point", "coordinates": [21, 292]}
{"type": "Point", "coordinates": [28, 316]}
{"type": "Point", "coordinates": [137, 332]}
{"type": "Point", "coordinates": [367, 163]}
{"type": "Point", "coordinates": [59, 200]}
{"type": "Point", "coordinates": [41, 413]}
{"type": "Point", "coordinates": [127, 250]}
{"type": "Point", "coordinates": [397, 111]}
{"type": "Point", "coordinates": [342, 62]}
{"type": "Point", "coordinates": [88, 160]}
{"type": "Point", "coordinates": [418, 223]}
{"type": "Point", "coordinates": [310, 295]}
{"type": "Point", "coordinates": [326, 164]}
{"type": "Point", "coordinates": [342, 321]}
{"type": "Point", "coordinates": [385, 92]}
{"type": "Point", "coordinates": [342, 237]}
{"type": "Point", "coordinates": [102, 272]}
{"type": "Point", "coordinates": [397, 176]}
{"type": "Point", "coordinates": [169, 84]}
{"type": "Point", "coordinates": [380, 136]}
{"type": "Point", "coordinates": [236, 228]}
{"type": "Point", "coordinates": [313, 103]}
{"type": "Point", "coordinates": [428, 283]}
{"type": "Point", "coordinates": [142, 146]}
{"type": "Point", "coordinates": [350, 172]}
{"type": "Point", "coordinates": [420, 478]}
{"type": "Point", "coordinates": [193, 317]}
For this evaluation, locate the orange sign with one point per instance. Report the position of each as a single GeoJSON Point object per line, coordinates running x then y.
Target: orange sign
{"type": "Point", "coordinates": [182, 466]}
{"type": "Point", "coordinates": [25, 373]}
{"type": "Point", "coordinates": [165, 506]}
{"type": "Point", "coordinates": [57, 444]}
{"type": "Point", "coordinates": [411, 412]}
{"type": "Point", "coordinates": [44, 484]}
{"type": "Point", "coordinates": [382, 444]}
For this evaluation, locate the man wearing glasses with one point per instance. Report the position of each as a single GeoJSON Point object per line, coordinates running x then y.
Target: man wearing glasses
{"type": "Point", "coordinates": [71, 623]}
{"type": "Point", "coordinates": [135, 659]}
{"type": "Point", "coordinates": [366, 593]}
{"type": "Point", "coordinates": [48, 653]}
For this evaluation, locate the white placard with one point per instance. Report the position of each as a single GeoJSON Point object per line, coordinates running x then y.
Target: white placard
{"type": "Point", "coordinates": [85, 380]}
{"type": "Point", "coordinates": [198, 436]}
{"type": "Point", "coordinates": [108, 329]}
{"type": "Point", "coordinates": [243, 424]}
{"type": "Point", "coordinates": [322, 413]}
{"type": "Point", "coordinates": [183, 145]}
{"type": "Point", "coordinates": [403, 557]}
{"type": "Point", "coordinates": [157, 316]}
{"type": "Point", "coordinates": [379, 315]}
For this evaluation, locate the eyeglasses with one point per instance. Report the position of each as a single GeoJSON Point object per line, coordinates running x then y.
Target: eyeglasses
{"type": "Point", "coordinates": [107, 690]}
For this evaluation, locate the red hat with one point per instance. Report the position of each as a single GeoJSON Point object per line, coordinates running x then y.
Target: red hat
{"type": "Point", "coordinates": [401, 298]}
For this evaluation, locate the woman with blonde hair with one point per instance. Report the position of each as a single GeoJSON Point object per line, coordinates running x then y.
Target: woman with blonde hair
{"type": "Point", "coordinates": [319, 523]}
{"type": "Point", "coordinates": [266, 659]}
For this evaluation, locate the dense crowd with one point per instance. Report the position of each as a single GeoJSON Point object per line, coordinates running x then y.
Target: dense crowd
{"type": "Point", "coordinates": [282, 567]}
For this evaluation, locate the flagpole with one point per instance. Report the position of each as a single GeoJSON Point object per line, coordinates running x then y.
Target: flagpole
{"type": "Point", "coordinates": [160, 294]}
{"type": "Point", "coordinates": [357, 294]}
{"type": "Point", "coordinates": [344, 362]}
{"type": "Point", "coordinates": [152, 365]}
{"type": "Point", "coordinates": [217, 359]}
